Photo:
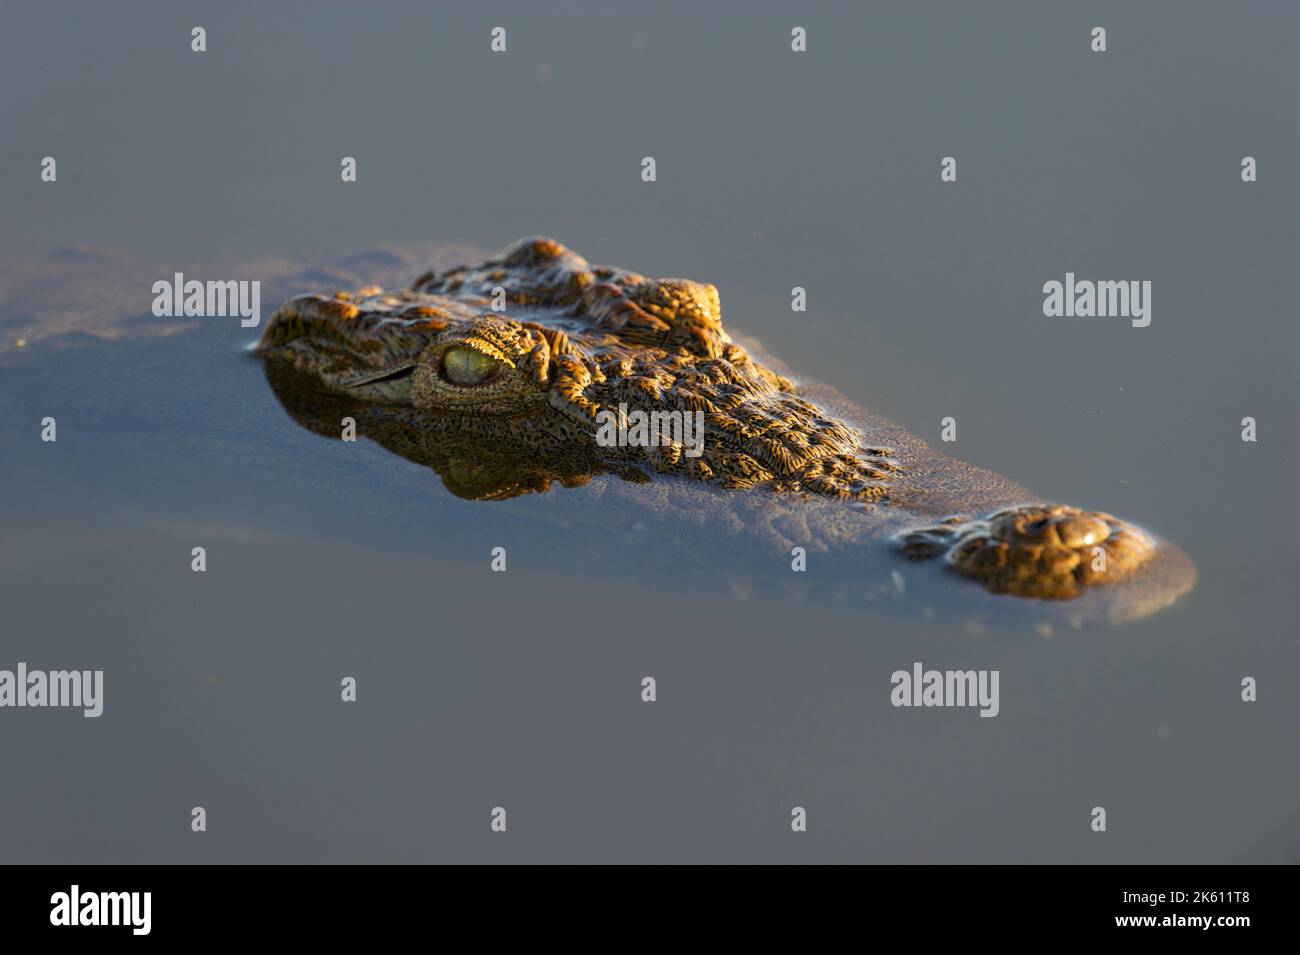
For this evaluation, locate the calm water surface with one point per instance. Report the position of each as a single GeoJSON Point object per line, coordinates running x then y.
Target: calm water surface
{"type": "Point", "coordinates": [522, 690]}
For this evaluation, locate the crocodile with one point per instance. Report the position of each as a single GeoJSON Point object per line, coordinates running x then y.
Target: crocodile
{"type": "Point", "coordinates": [503, 377]}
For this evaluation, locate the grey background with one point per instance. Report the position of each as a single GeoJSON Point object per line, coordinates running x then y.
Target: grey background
{"type": "Point", "coordinates": [775, 169]}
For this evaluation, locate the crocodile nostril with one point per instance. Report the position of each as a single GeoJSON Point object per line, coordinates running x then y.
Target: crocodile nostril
{"type": "Point", "coordinates": [1036, 550]}
{"type": "Point", "coordinates": [1082, 531]}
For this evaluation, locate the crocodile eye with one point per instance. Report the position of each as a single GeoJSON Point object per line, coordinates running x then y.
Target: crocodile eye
{"type": "Point", "coordinates": [466, 367]}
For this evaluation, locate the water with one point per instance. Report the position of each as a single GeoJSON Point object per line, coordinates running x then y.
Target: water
{"type": "Point", "coordinates": [521, 689]}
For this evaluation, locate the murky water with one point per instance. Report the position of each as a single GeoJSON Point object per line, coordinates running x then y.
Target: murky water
{"type": "Point", "coordinates": [522, 689]}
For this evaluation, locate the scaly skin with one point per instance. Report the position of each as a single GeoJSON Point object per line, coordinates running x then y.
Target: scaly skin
{"type": "Point", "coordinates": [509, 398]}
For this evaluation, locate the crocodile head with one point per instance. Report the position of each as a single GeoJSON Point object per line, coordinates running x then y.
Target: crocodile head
{"type": "Point", "coordinates": [539, 345]}
{"type": "Point", "coordinates": [535, 364]}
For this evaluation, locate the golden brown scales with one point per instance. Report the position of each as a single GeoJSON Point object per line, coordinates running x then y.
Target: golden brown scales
{"type": "Point", "coordinates": [504, 367]}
